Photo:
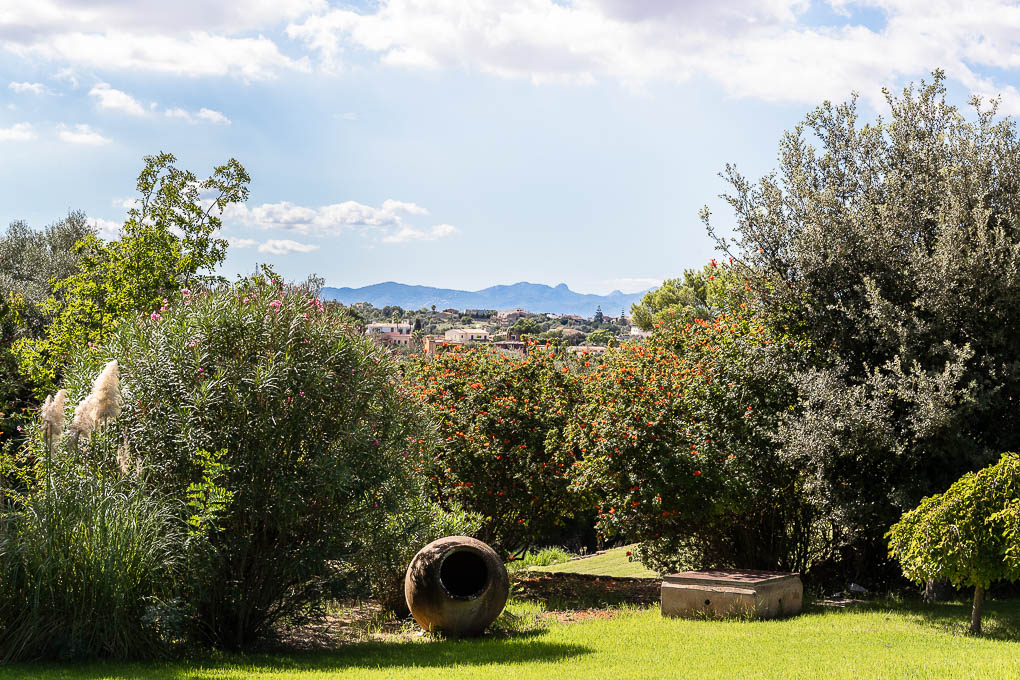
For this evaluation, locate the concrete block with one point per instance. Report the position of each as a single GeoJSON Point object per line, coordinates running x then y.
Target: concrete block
{"type": "Point", "coordinates": [735, 592]}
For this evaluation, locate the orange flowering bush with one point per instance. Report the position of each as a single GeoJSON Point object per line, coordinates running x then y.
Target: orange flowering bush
{"type": "Point", "coordinates": [677, 437]}
{"type": "Point", "coordinates": [500, 450]}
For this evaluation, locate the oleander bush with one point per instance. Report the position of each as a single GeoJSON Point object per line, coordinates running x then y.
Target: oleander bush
{"type": "Point", "coordinates": [279, 425]}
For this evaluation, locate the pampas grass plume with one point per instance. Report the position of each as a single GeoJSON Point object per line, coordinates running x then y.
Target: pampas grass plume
{"type": "Point", "coordinates": [102, 403]}
{"type": "Point", "coordinates": [53, 413]}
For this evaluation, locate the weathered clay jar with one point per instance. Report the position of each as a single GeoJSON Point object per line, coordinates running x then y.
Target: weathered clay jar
{"type": "Point", "coordinates": [457, 585]}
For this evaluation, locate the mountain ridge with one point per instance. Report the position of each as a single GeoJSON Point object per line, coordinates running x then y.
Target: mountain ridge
{"type": "Point", "coordinates": [533, 297]}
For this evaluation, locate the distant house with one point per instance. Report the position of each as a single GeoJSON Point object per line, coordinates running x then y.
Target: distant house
{"type": "Point", "coordinates": [390, 333]}
{"type": "Point", "coordinates": [511, 346]}
{"type": "Point", "coordinates": [434, 344]}
{"type": "Point", "coordinates": [508, 316]}
{"type": "Point", "coordinates": [467, 335]}
{"type": "Point", "coordinates": [636, 332]}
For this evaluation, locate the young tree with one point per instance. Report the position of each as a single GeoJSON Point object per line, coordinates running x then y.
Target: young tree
{"type": "Point", "coordinates": [894, 249]}
{"type": "Point", "coordinates": [965, 535]}
{"type": "Point", "coordinates": [698, 295]}
{"type": "Point", "coordinates": [169, 241]}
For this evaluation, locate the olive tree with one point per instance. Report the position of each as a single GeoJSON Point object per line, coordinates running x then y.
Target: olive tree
{"type": "Point", "coordinates": [893, 248]}
{"type": "Point", "coordinates": [964, 534]}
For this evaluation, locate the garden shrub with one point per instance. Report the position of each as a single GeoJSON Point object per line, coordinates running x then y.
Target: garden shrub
{"type": "Point", "coordinates": [501, 451]}
{"type": "Point", "coordinates": [677, 442]}
{"type": "Point", "coordinates": [966, 535]}
{"type": "Point", "coordinates": [397, 539]}
{"type": "Point", "coordinates": [279, 423]}
{"type": "Point", "coordinates": [90, 569]}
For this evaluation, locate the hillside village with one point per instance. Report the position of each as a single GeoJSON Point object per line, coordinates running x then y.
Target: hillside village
{"type": "Point", "coordinates": [431, 331]}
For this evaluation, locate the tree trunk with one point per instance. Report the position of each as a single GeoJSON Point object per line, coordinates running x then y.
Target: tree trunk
{"type": "Point", "coordinates": [975, 612]}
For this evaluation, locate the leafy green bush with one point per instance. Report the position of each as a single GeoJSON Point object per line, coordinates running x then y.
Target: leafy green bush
{"type": "Point", "coordinates": [892, 246]}
{"type": "Point", "coordinates": [501, 449]}
{"type": "Point", "coordinates": [676, 437]}
{"type": "Point", "coordinates": [966, 535]}
{"type": "Point", "coordinates": [395, 541]}
{"type": "Point", "coordinates": [309, 425]}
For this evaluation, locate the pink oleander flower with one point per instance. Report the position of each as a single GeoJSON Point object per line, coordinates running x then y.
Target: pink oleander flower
{"type": "Point", "coordinates": [276, 304]}
{"type": "Point", "coordinates": [155, 316]}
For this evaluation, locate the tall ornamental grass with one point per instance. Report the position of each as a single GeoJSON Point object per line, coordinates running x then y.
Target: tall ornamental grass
{"type": "Point", "coordinates": [90, 559]}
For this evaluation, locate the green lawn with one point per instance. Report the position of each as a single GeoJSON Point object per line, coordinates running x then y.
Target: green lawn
{"type": "Point", "coordinates": [887, 641]}
{"type": "Point", "coordinates": [612, 563]}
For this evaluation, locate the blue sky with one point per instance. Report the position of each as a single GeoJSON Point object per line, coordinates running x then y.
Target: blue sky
{"type": "Point", "coordinates": [455, 143]}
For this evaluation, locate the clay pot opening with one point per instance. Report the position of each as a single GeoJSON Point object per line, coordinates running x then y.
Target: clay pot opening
{"type": "Point", "coordinates": [464, 574]}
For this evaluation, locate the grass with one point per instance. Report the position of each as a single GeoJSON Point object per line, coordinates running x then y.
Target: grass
{"type": "Point", "coordinates": [611, 563]}
{"type": "Point", "coordinates": [541, 558]}
{"type": "Point", "coordinates": [884, 641]}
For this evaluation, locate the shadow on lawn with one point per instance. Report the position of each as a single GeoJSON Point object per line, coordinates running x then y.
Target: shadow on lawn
{"type": "Point", "coordinates": [395, 655]}
{"type": "Point", "coordinates": [1001, 619]}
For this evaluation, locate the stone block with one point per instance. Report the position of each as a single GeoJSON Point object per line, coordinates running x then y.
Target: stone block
{"type": "Point", "coordinates": [732, 592]}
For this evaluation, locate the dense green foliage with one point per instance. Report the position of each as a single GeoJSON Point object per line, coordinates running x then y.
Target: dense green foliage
{"type": "Point", "coordinates": [30, 263]}
{"type": "Point", "coordinates": [699, 294]}
{"type": "Point", "coordinates": [399, 535]}
{"type": "Point", "coordinates": [678, 446]}
{"type": "Point", "coordinates": [168, 241]}
{"type": "Point", "coordinates": [309, 426]}
{"type": "Point", "coordinates": [501, 451]}
{"type": "Point", "coordinates": [894, 250]}
{"type": "Point", "coordinates": [964, 535]}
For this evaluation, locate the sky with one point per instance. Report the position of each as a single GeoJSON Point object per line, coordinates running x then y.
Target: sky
{"type": "Point", "coordinates": [457, 143]}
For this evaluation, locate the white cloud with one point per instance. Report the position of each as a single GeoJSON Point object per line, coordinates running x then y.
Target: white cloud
{"type": "Point", "coordinates": [179, 113]}
{"type": "Point", "coordinates": [285, 247]}
{"type": "Point", "coordinates": [108, 229]}
{"type": "Point", "coordinates": [19, 132]}
{"type": "Point", "coordinates": [387, 223]}
{"type": "Point", "coordinates": [754, 48]}
{"type": "Point", "coordinates": [627, 285]}
{"type": "Point", "coordinates": [188, 37]}
{"type": "Point", "coordinates": [27, 88]}
{"type": "Point", "coordinates": [125, 203]}
{"type": "Point", "coordinates": [116, 100]}
{"type": "Point", "coordinates": [214, 117]}
{"type": "Point", "coordinates": [241, 242]}
{"type": "Point", "coordinates": [204, 114]}
{"type": "Point", "coordinates": [406, 234]}
{"type": "Point", "coordinates": [81, 134]}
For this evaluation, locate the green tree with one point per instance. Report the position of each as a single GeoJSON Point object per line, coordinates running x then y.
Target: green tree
{"type": "Point", "coordinates": [965, 535]}
{"type": "Point", "coordinates": [893, 249]}
{"type": "Point", "coordinates": [698, 295]}
{"type": "Point", "coordinates": [168, 242]}
{"type": "Point", "coordinates": [602, 336]}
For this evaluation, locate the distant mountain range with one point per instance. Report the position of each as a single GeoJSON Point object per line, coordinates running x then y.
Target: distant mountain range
{"type": "Point", "coordinates": [533, 297]}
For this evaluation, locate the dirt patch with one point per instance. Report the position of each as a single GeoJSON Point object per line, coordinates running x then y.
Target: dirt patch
{"type": "Point", "coordinates": [563, 592]}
